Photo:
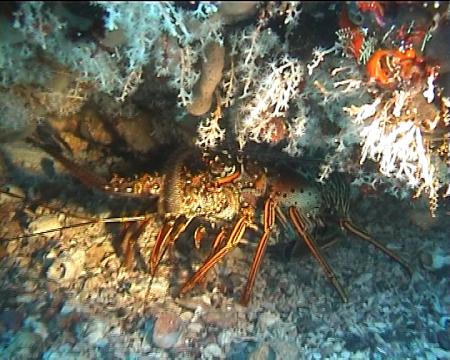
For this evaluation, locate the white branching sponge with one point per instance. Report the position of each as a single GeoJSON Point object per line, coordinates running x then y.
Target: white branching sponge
{"type": "Point", "coordinates": [271, 101]}
{"type": "Point", "coordinates": [396, 143]}
{"type": "Point", "coordinates": [210, 134]}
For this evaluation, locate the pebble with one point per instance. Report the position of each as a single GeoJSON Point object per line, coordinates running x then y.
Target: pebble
{"type": "Point", "coordinates": [263, 352]}
{"type": "Point", "coordinates": [167, 330]}
{"type": "Point", "coordinates": [195, 327]}
{"type": "Point", "coordinates": [11, 319]}
{"type": "Point", "coordinates": [212, 351]}
{"type": "Point", "coordinates": [267, 320]}
{"type": "Point", "coordinates": [25, 299]}
{"type": "Point", "coordinates": [95, 333]}
{"type": "Point", "coordinates": [67, 309]}
{"type": "Point", "coordinates": [67, 268]}
{"type": "Point", "coordinates": [225, 337]}
{"type": "Point", "coordinates": [220, 318]}
{"type": "Point", "coordinates": [337, 348]}
{"type": "Point", "coordinates": [24, 345]}
{"type": "Point", "coordinates": [444, 339]}
{"type": "Point", "coordinates": [241, 350]}
{"type": "Point", "coordinates": [95, 255]}
{"type": "Point", "coordinates": [38, 327]}
{"type": "Point", "coordinates": [45, 223]}
{"type": "Point", "coordinates": [186, 316]}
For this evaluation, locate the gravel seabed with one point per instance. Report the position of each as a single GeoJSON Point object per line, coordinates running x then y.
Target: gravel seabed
{"type": "Point", "coordinates": [66, 295]}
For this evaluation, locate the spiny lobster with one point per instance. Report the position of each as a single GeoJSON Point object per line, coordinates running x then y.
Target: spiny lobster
{"type": "Point", "coordinates": [230, 192]}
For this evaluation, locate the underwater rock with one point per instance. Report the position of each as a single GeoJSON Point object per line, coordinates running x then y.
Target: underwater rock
{"type": "Point", "coordinates": [92, 127]}
{"type": "Point", "coordinates": [438, 47]}
{"type": "Point", "coordinates": [234, 11]}
{"type": "Point", "coordinates": [141, 133]}
{"type": "Point", "coordinates": [354, 342]}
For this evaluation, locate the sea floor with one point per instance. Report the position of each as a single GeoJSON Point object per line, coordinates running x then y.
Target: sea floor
{"type": "Point", "coordinates": [66, 295]}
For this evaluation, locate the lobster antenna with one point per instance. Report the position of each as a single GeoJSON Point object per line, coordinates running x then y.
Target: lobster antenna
{"type": "Point", "coordinates": [93, 221]}
{"type": "Point", "coordinates": [45, 206]}
{"type": "Point", "coordinates": [90, 220]}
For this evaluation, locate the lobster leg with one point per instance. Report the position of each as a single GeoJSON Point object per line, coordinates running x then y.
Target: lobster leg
{"type": "Point", "coordinates": [269, 221]}
{"type": "Point", "coordinates": [168, 234]}
{"type": "Point", "coordinates": [300, 227]}
{"type": "Point", "coordinates": [351, 227]}
{"type": "Point", "coordinates": [218, 240]}
{"type": "Point", "coordinates": [129, 239]}
{"type": "Point", "coordinates": [235, 237]}
{"type": "Point", "coordinates": [216, 243]}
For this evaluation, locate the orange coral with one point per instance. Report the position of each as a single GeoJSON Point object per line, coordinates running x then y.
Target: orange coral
{"type": "Point", "coordinates": [384, 65]}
